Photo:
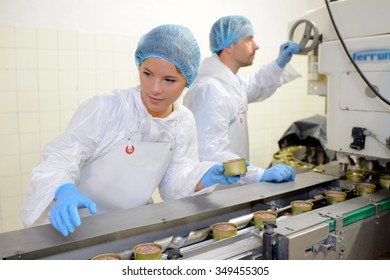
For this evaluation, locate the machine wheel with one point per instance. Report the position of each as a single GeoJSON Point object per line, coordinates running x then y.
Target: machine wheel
{"type": "Point", "coordinates": [310, 37]}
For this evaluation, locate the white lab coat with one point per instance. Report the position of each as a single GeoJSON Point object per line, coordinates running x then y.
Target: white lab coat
{"type": "Point", "coordinates": [95, 129]}
{"type": "Point", "coordinates": [219, 101]}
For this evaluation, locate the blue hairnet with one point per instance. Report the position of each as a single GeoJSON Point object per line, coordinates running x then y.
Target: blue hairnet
{"type": "Point", "coordinates": [228, 30]}
{"type": "Point", "coordinates": [174, 43]}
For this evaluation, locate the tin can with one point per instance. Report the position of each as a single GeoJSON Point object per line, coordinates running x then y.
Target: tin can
{"type": "Point", "coordinates": [223, 230]}
{"type": "Point", "coordinates": [365, 188]}
{"type": "Point", "coordinates": [259, 217]}
{"type": "Point", "coordinates": [147, 251]}
{"type": "Point", "coordinates": [384, 180]}
{"type": "Point", "coordinates": [333, 197]}
{"type": "Point", "coordinates": [235, 167]}
{"type": "Point", "coordinates": [300, 206]}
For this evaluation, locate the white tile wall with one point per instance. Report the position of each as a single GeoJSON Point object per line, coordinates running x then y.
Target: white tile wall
{"type": "Point", "coordinates": [46, 74]}
{"type": "Point", "coordinates": [7, 80]}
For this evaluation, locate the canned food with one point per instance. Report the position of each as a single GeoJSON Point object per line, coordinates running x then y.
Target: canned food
{"type": "Point", "coordinates": [335, 197]}
{"type": "Point", "coordinates": [301, 206]}
{"type": "Point", "coordinates": [354, 176]}
{"type": "Point", "coordinates": [147, 251]}
{"type": "Point", "coordinates": [223, 230]}
{"type": "Point", "coordinates": [235, 167]}
{"type": "Point", "coordinates": [365, 188]}
{"type": "Point", "coordinates": [262, 216]}
{"type": "Point", "coordinates": [384, 180]}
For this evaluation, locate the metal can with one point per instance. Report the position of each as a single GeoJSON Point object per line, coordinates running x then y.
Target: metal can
{"type": "Point", "coordinates": [259, 217]}
{"type": "Point", "coordinates": [147, 251]}
{"type": "Point", "coordinates": [300, 206]}
{"type": "Point", "coordinates": [235, 167]}
{"type": "Point", "coordinates": [223, 230]}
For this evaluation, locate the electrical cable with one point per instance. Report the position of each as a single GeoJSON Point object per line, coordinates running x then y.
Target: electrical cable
{"type": "Point", "coordinates": [352, 61]}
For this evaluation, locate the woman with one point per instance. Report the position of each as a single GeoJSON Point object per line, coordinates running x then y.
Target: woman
{"type": "Point", "coordinates": [120, 146]}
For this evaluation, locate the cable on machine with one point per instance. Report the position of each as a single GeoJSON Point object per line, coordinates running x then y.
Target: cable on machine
{"type": "Point", "coordinates": [374, 90]}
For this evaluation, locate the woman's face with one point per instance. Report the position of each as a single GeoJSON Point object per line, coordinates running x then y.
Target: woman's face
{"type": "Point", "coordinates": [161, 85]}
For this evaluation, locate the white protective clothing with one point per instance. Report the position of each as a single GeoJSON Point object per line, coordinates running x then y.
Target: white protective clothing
{"type": "Point", "coordinates": [91, 144]}
{"type": "Point", "coordinates": [219, 101]}
{"type": "Point", "coordinates": [133, 156]}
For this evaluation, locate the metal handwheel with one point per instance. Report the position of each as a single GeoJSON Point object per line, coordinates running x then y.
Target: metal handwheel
{"type": "Point", "coordinates": [310, 35]}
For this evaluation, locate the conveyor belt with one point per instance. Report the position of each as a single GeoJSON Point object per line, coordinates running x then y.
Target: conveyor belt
{"type": "Point", "coordinates": [120, 231]}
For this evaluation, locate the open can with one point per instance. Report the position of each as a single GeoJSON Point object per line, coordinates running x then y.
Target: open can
{"type": "Point", "coordinates": [147, 251]}
{"type": "Point", "coordinates": [335, 197]}
{"type": "Point", "coordinates": [365, 188]}
{"type": "Point", "coordinates": [259, 217]}
{"type": "Point", "coordinates": [223, 230]}
{"type": "Point", "coordinates": [300, 206]}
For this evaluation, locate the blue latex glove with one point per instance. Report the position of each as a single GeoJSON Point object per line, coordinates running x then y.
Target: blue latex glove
{"type": "Point", "coordinates": [278, 173]}
{"type": "Point", "coordinates": [64, 214]}
{"type": "Point", "coordinates": [286, 52]}
{"type": "Point", "coordinates": [215, 176]}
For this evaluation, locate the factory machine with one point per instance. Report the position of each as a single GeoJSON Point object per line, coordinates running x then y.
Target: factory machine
{"type": "Point", "coordinates": [351, 68]}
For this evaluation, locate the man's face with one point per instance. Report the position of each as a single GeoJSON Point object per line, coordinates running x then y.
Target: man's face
{"type": "Point", "coordinates": [244, 51]}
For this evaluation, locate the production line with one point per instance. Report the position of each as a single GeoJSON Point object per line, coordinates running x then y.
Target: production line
{"type": "Point", "coordinates": [355, 229]}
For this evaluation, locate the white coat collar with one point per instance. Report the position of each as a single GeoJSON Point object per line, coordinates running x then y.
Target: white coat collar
{"type": "Point", "coordinates": [213, 67]}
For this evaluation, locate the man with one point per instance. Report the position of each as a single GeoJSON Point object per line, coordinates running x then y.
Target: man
{"type": "Point", "coordinates": [219, 97]}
